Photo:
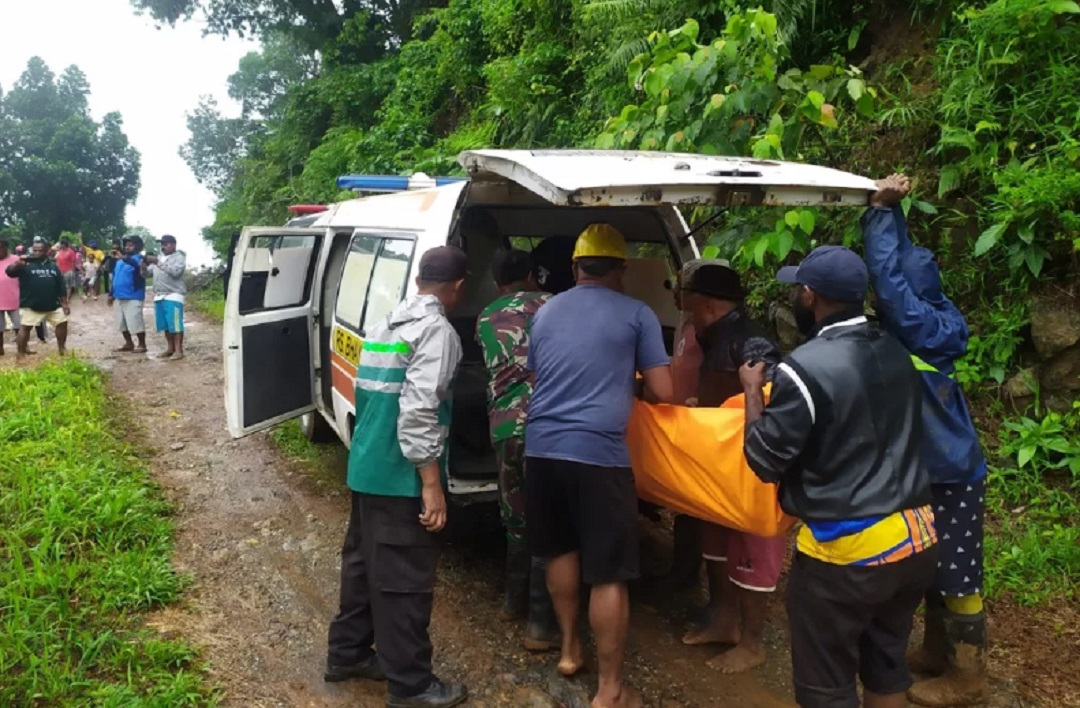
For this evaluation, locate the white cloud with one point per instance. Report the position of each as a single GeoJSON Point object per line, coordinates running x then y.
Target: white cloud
{"type": "Point", "coordinates": [152, 76]}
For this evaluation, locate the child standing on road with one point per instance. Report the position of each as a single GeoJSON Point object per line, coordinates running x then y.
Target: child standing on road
{"type": "Point", "coordinates": [90, 276]}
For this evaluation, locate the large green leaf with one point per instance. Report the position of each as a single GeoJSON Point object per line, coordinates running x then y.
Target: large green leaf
{"type": "Point", "coordinates": [989, 238]}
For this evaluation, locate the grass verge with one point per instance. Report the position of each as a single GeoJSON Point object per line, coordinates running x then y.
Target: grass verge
{"type": "Point", "coordinates": [325, 462]}
{"type": "Point", "coordinates": [209, 301]}
{"type": "Point", "coordinates": [85, 548]}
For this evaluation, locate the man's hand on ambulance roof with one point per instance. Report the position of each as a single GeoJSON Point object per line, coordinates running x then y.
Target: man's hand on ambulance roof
{"type": "Point", "coordinates": [891, 190]}
{"type": "Point", "coordinates": [658, 385]}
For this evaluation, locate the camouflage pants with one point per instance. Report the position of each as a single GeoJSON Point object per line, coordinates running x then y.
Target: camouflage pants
{"type": "Point", "coordinates": [510, 458]}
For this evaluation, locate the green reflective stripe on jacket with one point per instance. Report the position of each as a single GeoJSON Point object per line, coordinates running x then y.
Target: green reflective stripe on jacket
{"type": "Point", "coordinates": [387, 347]}
{"type": "Point", "coordinates": [921, 365]}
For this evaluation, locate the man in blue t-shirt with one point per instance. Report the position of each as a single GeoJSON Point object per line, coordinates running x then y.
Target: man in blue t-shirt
{"type": "Point", "coordinates": [128, 292]}
{"type": "Point", "coordinates": [586, 346]}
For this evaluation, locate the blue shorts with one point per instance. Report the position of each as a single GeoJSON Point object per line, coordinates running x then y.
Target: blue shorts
{"type": "Point", "coordinates": [169, 316]}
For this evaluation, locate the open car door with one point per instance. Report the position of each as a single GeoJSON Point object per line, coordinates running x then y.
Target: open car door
{"type": "Point", "coordinates": [618, 178]}
{"type": "Point", "coordinates": [269, 326]}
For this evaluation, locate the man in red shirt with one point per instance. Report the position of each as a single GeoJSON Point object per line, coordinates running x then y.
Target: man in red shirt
{"type": "Point", "coordinates": [65, 261]}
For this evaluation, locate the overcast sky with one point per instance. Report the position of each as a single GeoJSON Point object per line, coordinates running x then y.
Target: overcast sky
{"type": "Point", "coordinates": [153, 77]}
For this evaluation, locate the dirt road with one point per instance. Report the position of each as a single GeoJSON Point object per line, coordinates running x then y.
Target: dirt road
{"type": "Point", "coordinates": [260, 537]}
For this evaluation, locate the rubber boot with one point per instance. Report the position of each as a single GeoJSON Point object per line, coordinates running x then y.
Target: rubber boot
{"type": "Point", "coordinates": [929, 659]}
{"type": "Point", "coordinates": [686, 552]}
{"type": "Point", "coordinates": [516, 597]}
{"type": "Point", "coordinates": [964, 680]}
{"type": "Point", "coordinates": [542, 630]}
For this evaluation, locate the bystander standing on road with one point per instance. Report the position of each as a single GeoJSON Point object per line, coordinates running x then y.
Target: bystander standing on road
{"type": "Point", "coordinates": [90, 276]}
{"type": "Point", "coordinates": [9, 293]}
{"type": "Point", "coordinates": [67, 261]}
{"type": "Point", "coordinates": [397, 469]}
{"type": "Point", "coordinates": [129, 292]}
{"type": "Point", "coordinates": [42, 297]}
{"type": "Point", "coordinates": [841, 436]}
{"type": "Point", "coordinates": [586, 346]}
{"type": "Point", "coordinates": [167, 271]}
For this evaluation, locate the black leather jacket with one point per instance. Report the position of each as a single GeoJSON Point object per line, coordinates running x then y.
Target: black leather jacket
{"type": "Point", "coordinates": [842, 430]}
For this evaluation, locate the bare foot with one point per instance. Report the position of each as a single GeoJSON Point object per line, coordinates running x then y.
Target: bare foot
{"type": "Point", "coordinates": [737, 660]}
{"type": "Point", "coordinates": [721, 630]}
{"type": "Point", "coordinates": [572, 659]}
{"type": "Point", "coordinates": [125, 348]}
{"type": "Point", "coordinates": [627, 697]}
{"type": "Point", "coordinates": [139, 350]}
{"type": "Point", "coordinates": [163, 355]}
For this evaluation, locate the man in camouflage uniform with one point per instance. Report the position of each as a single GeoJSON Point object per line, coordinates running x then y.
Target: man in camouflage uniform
{"type": "Point", "coordinates": [503, 333]}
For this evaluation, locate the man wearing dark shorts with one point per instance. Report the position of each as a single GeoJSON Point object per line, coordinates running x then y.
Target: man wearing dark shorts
{"type": "Point", "coordinates": [586, 346]}
{"type": "Point", "coordinates": [743, 569]}
{"type": "Point", "coordinates": [842, 436]}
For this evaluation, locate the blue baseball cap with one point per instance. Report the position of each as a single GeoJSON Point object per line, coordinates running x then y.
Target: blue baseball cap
{"type": "Point", "coordinates": [835, 272]}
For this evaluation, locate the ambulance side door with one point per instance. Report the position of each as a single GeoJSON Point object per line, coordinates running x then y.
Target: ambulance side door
{"type": "Point", "coordinates": [269, 327]}
{"type": "Point", "coordinates": [374, 279]}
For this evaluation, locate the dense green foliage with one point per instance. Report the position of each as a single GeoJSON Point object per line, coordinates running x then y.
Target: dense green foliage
{"type": "Point", "coordinates": [85, 547]}
{"type": "Point", "coordinates": [59, 169]}
{"type": "Point", "coordinates": [976, 100]}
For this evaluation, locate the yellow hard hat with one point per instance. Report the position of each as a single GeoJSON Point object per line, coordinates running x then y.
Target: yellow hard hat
{"type": "Point", "coordinates": [600, 241]}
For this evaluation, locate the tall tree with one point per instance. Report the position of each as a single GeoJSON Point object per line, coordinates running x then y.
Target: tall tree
{"type": "Point", "coordinates": [59, 169]}
{"type": "Point", "coordinates": [311, 22]}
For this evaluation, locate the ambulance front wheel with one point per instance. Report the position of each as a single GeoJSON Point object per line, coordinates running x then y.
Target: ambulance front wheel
{"type": "Point", "coordinates": [315, 428]}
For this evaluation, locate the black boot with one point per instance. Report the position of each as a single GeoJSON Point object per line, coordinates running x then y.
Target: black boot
{"type": "Point", "coordinates": [516, 599]}
{"type": "Point", "coordinates": [929, 659]}
{"type": "Point", "coordinates": [964, 680]}
{"type": "Point", "coordinates": [542, 630]}
{"type": "Point", "coordinates": [437, 695]}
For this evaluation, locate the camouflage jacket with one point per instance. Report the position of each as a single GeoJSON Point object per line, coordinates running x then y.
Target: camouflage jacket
{"type": "Point", "coordinates": [502, 331]}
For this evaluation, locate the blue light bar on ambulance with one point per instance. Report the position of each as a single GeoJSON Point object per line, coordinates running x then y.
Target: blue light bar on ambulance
{"type": "Point", "coordinates": [393, 183]}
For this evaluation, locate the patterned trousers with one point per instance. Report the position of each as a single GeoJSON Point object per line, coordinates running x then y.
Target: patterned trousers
{"type": "Point", "coordinates": [510, 458]}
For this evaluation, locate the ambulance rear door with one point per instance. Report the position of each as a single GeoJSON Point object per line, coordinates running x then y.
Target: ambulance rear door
{"type": "Point", "coordinates": [606, 178]}
{"type": "Point", "coordinates": [269, 327]}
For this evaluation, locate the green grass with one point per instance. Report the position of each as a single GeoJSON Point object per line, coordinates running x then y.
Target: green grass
{"type": "Point", "coordinates": [325, 462]}
{"type": "Point", "coordinates": [209, 301]}
{"type": "Point", "coordinates": [85, 548]}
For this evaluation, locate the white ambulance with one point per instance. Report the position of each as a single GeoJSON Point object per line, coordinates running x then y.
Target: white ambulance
{"type": "Point", "coordinates": [301, 296]}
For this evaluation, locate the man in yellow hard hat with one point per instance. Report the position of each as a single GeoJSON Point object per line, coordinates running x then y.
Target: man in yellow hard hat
{"type": "Point", "coordinates": [587, 344]}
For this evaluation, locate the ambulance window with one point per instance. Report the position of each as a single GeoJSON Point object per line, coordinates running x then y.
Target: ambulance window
{"type": "Point", "coordinates": [277, 272]}
{"type": "Point", "coordinates": [355, 276]}
{"type": "Point", "coordinates": [389, 279]}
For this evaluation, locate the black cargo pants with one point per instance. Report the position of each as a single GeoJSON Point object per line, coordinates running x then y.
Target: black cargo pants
{"type": "Point", "coordinates": [387, 580]}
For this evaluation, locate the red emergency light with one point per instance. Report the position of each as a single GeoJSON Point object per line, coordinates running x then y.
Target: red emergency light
{"type": "Point", "coordinates": [308, 208]}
